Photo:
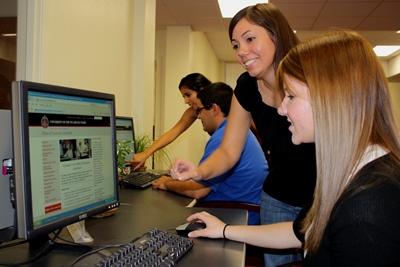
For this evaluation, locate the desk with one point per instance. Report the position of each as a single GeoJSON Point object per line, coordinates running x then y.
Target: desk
{"type": "Point", "coordinates": [126, 224]}
{"type": "Point", "coordinates": [150, 196]}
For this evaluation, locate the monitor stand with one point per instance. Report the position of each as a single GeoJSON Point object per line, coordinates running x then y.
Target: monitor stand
{"type": "Point", "coordinates": [78, 232]}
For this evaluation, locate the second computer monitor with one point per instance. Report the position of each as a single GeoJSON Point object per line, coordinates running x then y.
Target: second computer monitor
{"type": "Point", "coordinates": [125, 131]}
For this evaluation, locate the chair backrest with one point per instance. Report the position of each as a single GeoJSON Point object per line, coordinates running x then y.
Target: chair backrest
{"type": "Point", "coordinates": [229, 205]}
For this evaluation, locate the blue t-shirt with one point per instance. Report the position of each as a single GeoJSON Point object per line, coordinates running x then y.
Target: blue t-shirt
{"type": "Point", "coordinates": [244, 181]}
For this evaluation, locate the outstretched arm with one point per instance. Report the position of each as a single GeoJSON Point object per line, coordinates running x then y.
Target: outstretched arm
{"type": "Point", "coordinates": [187, 119]}
{"type": "Point", "coordinates": [188, 188]}
{"type": "Point", "coordinates": [275, 236]}
{"type": "Point", "coordinates": [227, 154]}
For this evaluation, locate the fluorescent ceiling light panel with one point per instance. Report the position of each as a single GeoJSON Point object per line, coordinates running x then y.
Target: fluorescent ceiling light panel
{"type": "Point", "coordinates": [385, 50]}
{"type": "Point", "coordinates": [9, 34]}
{"type": "Point", "coordinates": [230, 7]}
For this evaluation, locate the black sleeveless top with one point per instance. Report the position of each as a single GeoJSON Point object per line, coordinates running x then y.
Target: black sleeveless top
{"type": "Point", "coordinates": [292, 168]}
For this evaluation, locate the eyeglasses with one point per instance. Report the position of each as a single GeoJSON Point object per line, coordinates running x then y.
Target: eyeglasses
{"type": "Point", "coordinates": [198, 110]}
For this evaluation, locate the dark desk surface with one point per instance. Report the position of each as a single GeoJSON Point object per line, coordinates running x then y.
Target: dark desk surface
{"type": "Point", "coordinates": [140, 211]}
{"type": "Point", "coordinates": [150, 196]}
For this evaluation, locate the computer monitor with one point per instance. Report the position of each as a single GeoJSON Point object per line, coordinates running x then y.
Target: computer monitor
{"type": "Point", "coordinates": [65, 165]}
{"type": "Point", "coordinates": [125, 131]}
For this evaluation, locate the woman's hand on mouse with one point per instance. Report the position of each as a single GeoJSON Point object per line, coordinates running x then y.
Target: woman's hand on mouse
{"type": "Point", "coordinates": [214, 227]}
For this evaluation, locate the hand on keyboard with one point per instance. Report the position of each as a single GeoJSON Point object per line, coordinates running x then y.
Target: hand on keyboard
{"type": "Point", "coordinates": [139, 179]}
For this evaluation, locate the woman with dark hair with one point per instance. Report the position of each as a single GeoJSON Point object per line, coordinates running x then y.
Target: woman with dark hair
{"type": "Point", "coordinates": [189, 86]}
{"type": "Point", "coordinates": [261, 36]}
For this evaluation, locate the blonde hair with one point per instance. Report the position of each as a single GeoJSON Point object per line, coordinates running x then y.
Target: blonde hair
{"type": "Point", "coordinates": [351, 108]}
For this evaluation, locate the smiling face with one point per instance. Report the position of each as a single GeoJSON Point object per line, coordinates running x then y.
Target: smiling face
{"type": "Point", "coordinates": [296, 106]}
{"type": "Point", "coordinates": [190, 97]}
{"type": "Point", "coordinates": [254, 49]}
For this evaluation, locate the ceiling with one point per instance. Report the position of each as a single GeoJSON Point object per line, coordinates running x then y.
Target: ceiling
{"type": "Point", "coordinates": [8, 8]}
{"type": "Point", "coordinates": [376, 20]}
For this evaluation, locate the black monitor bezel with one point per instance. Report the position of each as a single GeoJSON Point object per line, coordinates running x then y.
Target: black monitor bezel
{"type": "Point", "coordinates": [133, 129]}
{"type": "Point", "coordinates": [23, 181]}
{"type": "Point", "coordinates": [130, 119]}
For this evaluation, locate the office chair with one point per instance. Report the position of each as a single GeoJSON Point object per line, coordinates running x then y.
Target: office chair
{"type": "Point", "coordinates": [292, 264]}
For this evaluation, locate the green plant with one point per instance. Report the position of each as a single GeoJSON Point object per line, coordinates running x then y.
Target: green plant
{"type": "Point", "coordinates": [161, 156]}
{"type": "Point", "coordinates": [123, 149]}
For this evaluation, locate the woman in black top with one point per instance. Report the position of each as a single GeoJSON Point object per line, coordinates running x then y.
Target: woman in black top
{"type": "Point", "coordinates": [337, 96]}
{"type": "Point", "coordinates": [261, 37]}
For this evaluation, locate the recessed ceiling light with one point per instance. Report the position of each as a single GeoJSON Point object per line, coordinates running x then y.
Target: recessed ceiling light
{"type": "Point", "coordinates": [230, 7]}
{"type": "Point", "coordinates": [9, 34]}
{"type": "Point", "coordinates": [385, 50]}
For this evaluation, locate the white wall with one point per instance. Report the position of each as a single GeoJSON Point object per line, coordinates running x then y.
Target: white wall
{"type": "Point", "coordinates": [232, 72]}
{"type": "Point", "coordinates": [76, 45]}
{"type": "Point", "coordinates": [392, 69]}
{"type": "Point", "coordinates": [395, 95]}
{"type": "Point", "coordinates": [174, 60]}
{"type": "Point", "coordinates": [91, 45]}
{"type": "Point", "coordinates": [98, 45]}
{"type": "Point", "coordinates": [206, 62]}
{"type": "Point", "coordinates": [141, 105]}
{"type": "Point", "coordinates": [393, 66]}
{"type": "Point", "coordinates": [109, 46]}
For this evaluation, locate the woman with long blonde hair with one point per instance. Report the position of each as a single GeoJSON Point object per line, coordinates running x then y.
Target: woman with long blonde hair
{"type": "Point", "coordinates": [337, 96]}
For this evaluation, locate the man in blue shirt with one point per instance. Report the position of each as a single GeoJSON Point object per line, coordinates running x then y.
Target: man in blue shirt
{"type": "Point", "coordinates": [243, 182]}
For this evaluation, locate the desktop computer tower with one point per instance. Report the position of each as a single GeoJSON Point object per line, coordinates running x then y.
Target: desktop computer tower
{"type": "Point", "coordinates": [6, 152]}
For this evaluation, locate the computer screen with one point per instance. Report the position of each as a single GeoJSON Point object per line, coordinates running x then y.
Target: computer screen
{"type": "Point", "coordinates": [65, 165]}
{"type": "Point", "coordinates": [125, 131]}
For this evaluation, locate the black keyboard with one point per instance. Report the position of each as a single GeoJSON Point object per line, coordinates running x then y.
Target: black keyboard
{"type": "Point", "coordinates": [141, 179]}
{"type": "Point", "coordinates": [154, 248]}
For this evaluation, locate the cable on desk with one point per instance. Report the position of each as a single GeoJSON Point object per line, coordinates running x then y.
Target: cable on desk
{"type": "Point", "coordinates": [42, 251]}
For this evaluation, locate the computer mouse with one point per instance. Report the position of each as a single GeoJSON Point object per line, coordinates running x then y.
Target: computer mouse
{"type": "Point", "coordinates": [190, 226]}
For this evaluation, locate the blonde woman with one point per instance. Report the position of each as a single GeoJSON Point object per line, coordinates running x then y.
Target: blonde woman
{"type": "Point", "coordinates": [337, 96]}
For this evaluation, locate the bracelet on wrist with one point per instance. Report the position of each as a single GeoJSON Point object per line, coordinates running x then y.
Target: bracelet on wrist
{"type": "Point", "coordinates": [223, 231]}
